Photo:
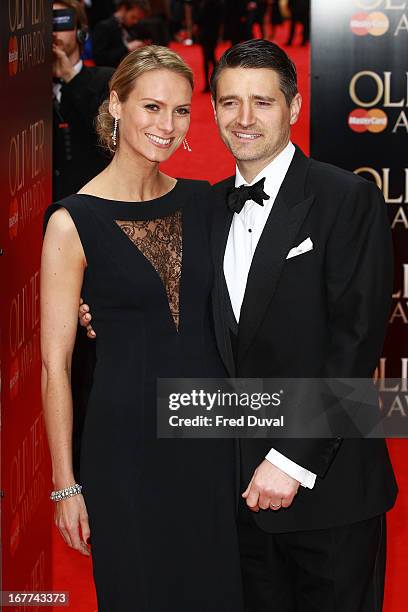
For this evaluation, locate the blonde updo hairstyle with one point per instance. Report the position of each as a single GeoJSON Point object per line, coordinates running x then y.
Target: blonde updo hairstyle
{"type": "Point", "coordinates": [136, 63]}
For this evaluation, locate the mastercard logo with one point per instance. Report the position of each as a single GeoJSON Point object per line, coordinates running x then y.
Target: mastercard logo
{"type": "Point", "coordinates": [375, 24]}
{"type": "Point", "coordinates": [15, 534]}
{"type": "Point", "coordinates": [14, 378]}
{"type": "Point", "coordinates": [13, 56]}
{"type": "Point", "coordinates": [361, 120]}
{"type": "Point", "coordinates": [13, 218]}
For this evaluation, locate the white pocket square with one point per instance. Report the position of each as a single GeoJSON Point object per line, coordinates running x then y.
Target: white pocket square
{"type": "Point", "coordinates": [303, 247]}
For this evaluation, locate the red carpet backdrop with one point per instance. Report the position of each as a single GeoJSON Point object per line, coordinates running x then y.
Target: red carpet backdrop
{"type": "Point", "coordinates": [25, 188]}
{"type": "Point", "coordinates": [359, 121]}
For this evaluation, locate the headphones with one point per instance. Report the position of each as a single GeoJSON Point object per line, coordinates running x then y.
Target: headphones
{"type": "Point", "coordinates": [82, 34]}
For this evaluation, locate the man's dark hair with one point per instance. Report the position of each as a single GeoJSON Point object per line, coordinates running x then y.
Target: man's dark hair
{"type": "Point", "coordinates": [130, 4]}
{"type": "Point", "coordinates": [259, 53]}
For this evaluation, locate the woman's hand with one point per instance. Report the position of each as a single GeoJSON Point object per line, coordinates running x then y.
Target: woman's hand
{"type": "Point", "coordinates": [71, 518]}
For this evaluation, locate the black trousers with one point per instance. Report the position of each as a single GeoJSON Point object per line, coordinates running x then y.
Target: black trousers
{"type": "Point", "coordinates": [208, 46]}
{"type": "Point", "coordinates": [304, 19]}
{"type": "Point", "coordinates": [331, 570]}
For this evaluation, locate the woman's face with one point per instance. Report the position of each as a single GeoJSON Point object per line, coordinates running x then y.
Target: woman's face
{"type": "Point", "coordinates": [156, 116]}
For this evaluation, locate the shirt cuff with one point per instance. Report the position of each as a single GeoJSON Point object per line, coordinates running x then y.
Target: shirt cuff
{"type": "Point", "coordinates": [307, 479]}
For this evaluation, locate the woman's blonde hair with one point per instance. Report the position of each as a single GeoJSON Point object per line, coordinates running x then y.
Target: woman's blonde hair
{"type": "Point", "coordinates": [151, 57]}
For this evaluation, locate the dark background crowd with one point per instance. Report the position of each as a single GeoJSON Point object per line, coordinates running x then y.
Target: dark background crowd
{"type": "Point", "coordinates": [117, 27]}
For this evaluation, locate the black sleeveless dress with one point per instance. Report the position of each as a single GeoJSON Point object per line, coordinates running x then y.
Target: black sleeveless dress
{"type": "Point", "coordinates": [161, 512]}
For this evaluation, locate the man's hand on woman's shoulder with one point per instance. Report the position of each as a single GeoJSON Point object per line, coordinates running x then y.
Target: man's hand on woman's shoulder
{"type": "Point", "coordinates": [85, 318]}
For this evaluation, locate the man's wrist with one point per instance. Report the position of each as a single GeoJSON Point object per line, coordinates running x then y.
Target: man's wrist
{"type": "Point", "coordinates": [306, 478]}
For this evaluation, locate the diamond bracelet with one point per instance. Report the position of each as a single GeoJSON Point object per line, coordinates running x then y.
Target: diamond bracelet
{"type": "Point", "coordinates": [63, 493]}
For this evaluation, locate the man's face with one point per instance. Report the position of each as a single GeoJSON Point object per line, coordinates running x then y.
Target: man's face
{"type": "Point", "coordinates": [252, 114]}
{"type": "Point", "coordinates": [65, 40]}
{"type": "Point", "coordinates": [132, 17]}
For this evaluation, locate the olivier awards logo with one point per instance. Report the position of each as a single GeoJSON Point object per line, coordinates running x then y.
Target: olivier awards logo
{"type": "Point", "coordinates": [27, 484]}
{"type": "Point", "coordinates": [378, 105]}
{"type": "Point", "coordinates": [27, 175]}
{"type": "Point", "coordinates": [392, 381]}
{"type": "Point", "coordinates": [400, 308]}
{"type": "Point", "coordinates": [24, 334]}
{"type": "Point", "coordinates": [26, 47]}
{"type": "Point", "coordinates": [377, 17]}
{"type": "Point", "coordinates": [394, 185]}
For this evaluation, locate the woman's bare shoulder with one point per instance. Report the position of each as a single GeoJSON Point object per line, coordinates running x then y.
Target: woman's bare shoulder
{"type": "Point", "coordinates": [61, 222]}
{"type": "Point", "coordinates": [62, 236]}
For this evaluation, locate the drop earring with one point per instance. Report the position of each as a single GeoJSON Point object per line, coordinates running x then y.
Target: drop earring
{"type": "Point", "coordinates": [115, 132]}
{"type": "Point", "coordinates": [186, 145]}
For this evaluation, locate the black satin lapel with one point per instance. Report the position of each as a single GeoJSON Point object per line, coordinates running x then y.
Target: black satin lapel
{"type": "Point", "coordinates": [278, 237]}
{"type": "Point", "coordinates": [219, 236]}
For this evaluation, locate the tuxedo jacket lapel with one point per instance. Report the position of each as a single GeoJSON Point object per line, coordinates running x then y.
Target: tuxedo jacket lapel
{"type": "Point", "coordinates": [287, 215]}
{"type": "Point", "coordinates": [220, 230]}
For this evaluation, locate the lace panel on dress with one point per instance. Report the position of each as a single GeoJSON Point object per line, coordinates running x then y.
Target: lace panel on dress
{"type": "Point", "coordinates": [160, 241]}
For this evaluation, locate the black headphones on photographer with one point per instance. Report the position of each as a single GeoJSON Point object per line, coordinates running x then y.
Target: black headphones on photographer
{"type": "Point", "coordinates": [66, 20]}
{"type": "Point", "coordinates": [82, 34]}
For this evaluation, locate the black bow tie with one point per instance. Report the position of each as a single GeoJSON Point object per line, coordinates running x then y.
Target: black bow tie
{"type": "Point", "coordinates": [237, 196]}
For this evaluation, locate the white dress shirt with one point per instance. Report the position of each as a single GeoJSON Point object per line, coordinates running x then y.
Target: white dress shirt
{"type": "Point", "coordinates": [245, 231]}
{"type": "Point", "coordinates": [56, 87]}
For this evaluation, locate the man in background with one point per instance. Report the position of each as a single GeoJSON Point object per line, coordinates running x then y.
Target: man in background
{"type": "Point", "coordinates": [300, 13]}
{"type": "Point", "coordinates": [236, 20]}
{"type": "Point", "coordinates": [209, 20]}
{"type": "Point", "coordinates": [158, 22]}
{"type": "Point", "coordinates": [121, 33]}
{"type": "Point", "coordinates": [77, 93]}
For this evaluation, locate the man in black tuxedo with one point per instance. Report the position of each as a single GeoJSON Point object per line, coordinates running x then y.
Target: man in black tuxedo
{"type": "Point", "coordinates": [78, 92]}
{"type": "Point", "coordinates": [115, 37]}
{"type": "Point", "coordinates": [303, 266]}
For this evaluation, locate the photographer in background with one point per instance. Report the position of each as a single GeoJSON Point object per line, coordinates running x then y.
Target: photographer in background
{"type": "Point", "coordinates": [78, 92]}
{"type": "Point", "coordinates": [115, 37]}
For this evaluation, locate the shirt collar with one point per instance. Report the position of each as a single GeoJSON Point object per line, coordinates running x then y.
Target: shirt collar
{"type": "Point", "coordinates": [78, 67]}
{"type": "Point", "coordinates": [274, 172]}
{"type": "Point", "coordinates": [56, 87]}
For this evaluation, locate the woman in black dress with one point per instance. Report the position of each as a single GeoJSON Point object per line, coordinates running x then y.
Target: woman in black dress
{"type": "Point", "coordinates": [134, 243]}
